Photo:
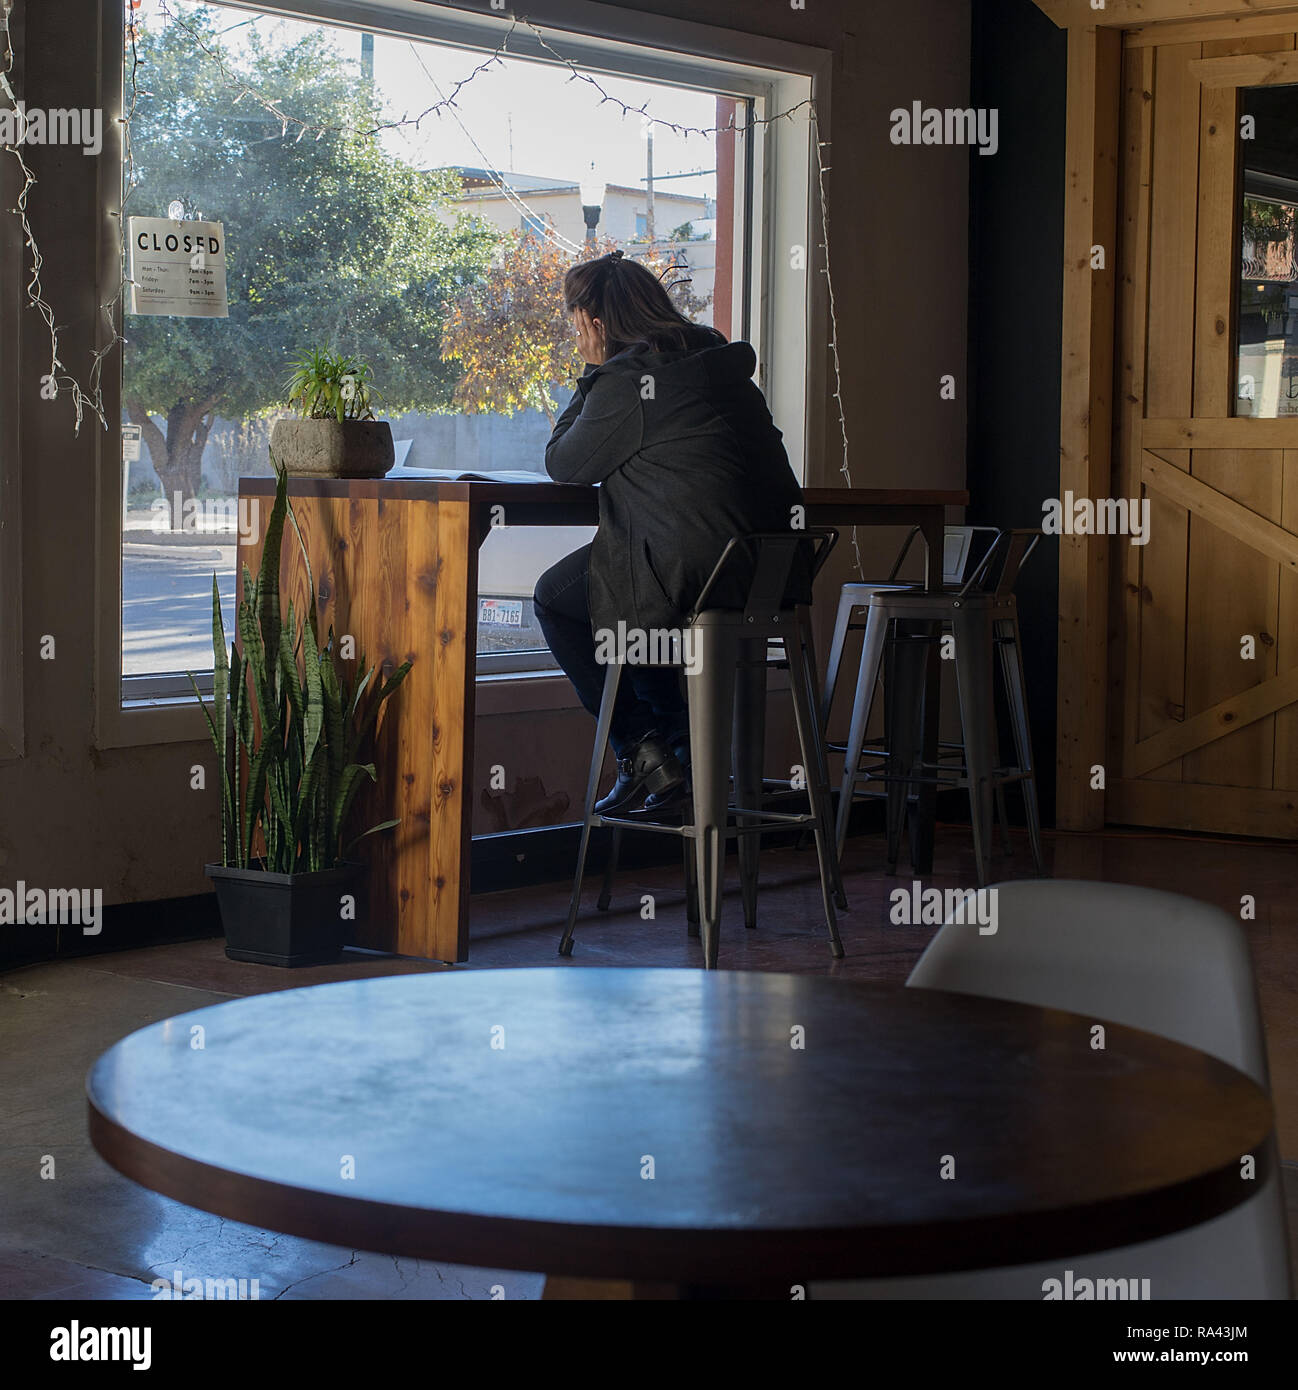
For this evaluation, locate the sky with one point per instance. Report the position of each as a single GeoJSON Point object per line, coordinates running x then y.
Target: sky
{"type": "Point", "coordinates": [521, 116]}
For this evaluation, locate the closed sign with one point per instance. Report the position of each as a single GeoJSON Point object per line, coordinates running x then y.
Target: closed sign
{"type": "Point", "coordinates": [178, 268]}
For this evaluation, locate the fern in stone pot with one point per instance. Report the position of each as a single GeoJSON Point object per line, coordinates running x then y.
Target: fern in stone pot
{"type": "Point", "coordinates": [293, 731]}
{"type": "Point", "coordinates": [335, 434]}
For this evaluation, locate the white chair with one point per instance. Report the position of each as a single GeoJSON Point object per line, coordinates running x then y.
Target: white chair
{"type": "Point", "coordinates": [1156, 961]}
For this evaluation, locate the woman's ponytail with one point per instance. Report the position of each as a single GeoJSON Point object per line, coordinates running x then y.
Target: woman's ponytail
{"type": "Point", "coordinates": [633, 306]}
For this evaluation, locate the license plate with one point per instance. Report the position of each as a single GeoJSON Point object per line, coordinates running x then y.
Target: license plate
{"type": "Point", "coordinates": [501, 612]}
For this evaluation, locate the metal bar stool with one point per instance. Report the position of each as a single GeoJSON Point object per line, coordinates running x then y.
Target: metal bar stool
{"type": "Point", "coordinates": [730, 659]}
{"type": "Point", "coordinates": [982, 616]}
{"type": "Point", "coordinates": [958, 545]}
{"type": "Point", "coordinates": [957, 550]}
{"type": "Point", "coordinates": [752, 788]}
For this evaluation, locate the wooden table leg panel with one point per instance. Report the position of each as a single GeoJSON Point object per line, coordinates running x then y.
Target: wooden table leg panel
{"type": "Point", "coordinates": [400, 581]}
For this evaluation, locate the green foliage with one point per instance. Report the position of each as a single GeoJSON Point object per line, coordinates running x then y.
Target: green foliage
{"type": "Point", "coordinates": [511, 333]}
{"type": "Point", "coordinates": [329, 240]}
{"type": "Point", "coordinates": [301, 726]}
{"type": "Point", "coordinates": [686, 232]}
{"type": "Point", "coordinates": [331, 386]}
{"type": "Point", "coordinates": [1266, 223]}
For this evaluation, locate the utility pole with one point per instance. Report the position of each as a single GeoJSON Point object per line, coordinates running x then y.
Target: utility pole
{"type": "Point", "coordinates": [649, 183]}
{"type": "Point", "coordinates": [367, 57]}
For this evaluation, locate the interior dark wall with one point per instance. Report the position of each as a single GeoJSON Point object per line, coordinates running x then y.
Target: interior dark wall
{"type": "Point", "coordinates": [1016, 230]}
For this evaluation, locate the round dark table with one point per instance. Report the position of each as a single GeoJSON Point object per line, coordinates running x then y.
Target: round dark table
{"type": "Point", "coordinates": [677, 1128]}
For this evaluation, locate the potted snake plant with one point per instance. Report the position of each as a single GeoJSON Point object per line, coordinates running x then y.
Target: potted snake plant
{"type": "Point", "coordinates": [293, 730]}
{"type": "Point", "coordinates": [335, 434]}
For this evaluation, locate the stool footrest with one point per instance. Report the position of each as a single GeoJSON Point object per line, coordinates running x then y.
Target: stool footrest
{"type": "Point", "coordinates": [770, 820]}
{"type": "Point", "coordinates": [947, 777]}
{"type": "Point", "coordinates": [762, 822]}
{"type": "Point", "coordinates": [661, 827]}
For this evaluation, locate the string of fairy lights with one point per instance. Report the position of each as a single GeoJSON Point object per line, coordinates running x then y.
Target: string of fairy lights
{"type": "Point", "coordinates": [822, 169]}
{"type": "Point", "coordinates": [88, 399]}
{"type": "Point", "coordinates": [538, 224]}
{"type": "Point", "coordinates": [26, 182]}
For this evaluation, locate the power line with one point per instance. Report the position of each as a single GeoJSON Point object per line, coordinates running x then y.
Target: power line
{"type": "Point", "coordinates": [692, 174]}
{"type": "Point", "coordinates": [535, 220]}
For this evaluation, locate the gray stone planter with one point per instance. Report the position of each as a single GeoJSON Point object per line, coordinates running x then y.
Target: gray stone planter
{"type": "Point", "coordinates": [334, 449]}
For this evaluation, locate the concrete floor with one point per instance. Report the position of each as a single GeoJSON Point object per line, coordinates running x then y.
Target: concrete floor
{"type": "Point", "coordinates": [83, 1231]}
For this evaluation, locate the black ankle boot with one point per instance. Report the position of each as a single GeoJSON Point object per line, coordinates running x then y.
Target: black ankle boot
{"type": "Point", "coordinates": [675, 797]}
{"type": "Point", "coordinates": [648, 766]}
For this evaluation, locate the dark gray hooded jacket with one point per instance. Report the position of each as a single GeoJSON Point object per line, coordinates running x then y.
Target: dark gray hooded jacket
{"type": "Point", "coordinates": [686, 455]}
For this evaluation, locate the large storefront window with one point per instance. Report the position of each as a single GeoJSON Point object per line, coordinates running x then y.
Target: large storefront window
{"type": "Point", "coordinates": [431, 246]}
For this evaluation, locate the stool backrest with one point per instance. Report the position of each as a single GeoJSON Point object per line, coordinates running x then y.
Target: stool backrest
{"type": "Point", "coordinates": [956, 543]}
{"type": "Point", "coordinates": [998, 570]}
{"type": "Point", "coordinates": [770, 557]}
{"type": "Point", "coordinates": [956, 548]}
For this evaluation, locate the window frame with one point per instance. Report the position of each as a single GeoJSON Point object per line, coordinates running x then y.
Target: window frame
{"type": "Point", "coordinates": [773, 74]}
{"type": "Point", "coordinates": [152, 692]}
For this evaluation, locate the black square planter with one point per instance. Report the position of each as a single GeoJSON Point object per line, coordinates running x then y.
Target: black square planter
{"type": "Point", "coordinates": [285, 919]}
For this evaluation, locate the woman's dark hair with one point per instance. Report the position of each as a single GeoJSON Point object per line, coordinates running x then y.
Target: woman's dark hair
{"type": "Point", "coordinates": [634, 307]}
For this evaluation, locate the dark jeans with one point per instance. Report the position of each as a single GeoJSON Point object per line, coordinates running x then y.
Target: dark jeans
{"type": "Point", "coordinates": [649, 698]}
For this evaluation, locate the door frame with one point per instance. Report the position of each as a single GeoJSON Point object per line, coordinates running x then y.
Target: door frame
{"type": "Point", "coordinates": [1212, 425]}
{"type": "Point", "coordinates": [1093, 171]}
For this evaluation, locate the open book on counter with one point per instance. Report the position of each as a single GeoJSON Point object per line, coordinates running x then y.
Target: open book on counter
{"type": "Point", "coordinates": [452, 475]}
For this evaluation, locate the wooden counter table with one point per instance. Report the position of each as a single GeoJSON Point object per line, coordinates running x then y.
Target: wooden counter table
{"type": "Point", "coordinates": [396, 566]}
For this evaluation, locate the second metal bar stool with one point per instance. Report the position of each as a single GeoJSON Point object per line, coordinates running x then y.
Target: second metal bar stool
{"type": "Point", "coordinates": [982, 617]}
{"type": "Point", "coordinates": [959, 550]}
{"type": "Point", "coordinates": [728, 645]}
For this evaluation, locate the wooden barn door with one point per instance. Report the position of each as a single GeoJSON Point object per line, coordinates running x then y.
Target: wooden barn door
{"type": "Point", "coordinates": [1203, 662]}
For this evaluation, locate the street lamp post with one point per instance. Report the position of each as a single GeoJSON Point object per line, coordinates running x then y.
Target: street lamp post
{"type": "Point", "coordinates": [592, 201]}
